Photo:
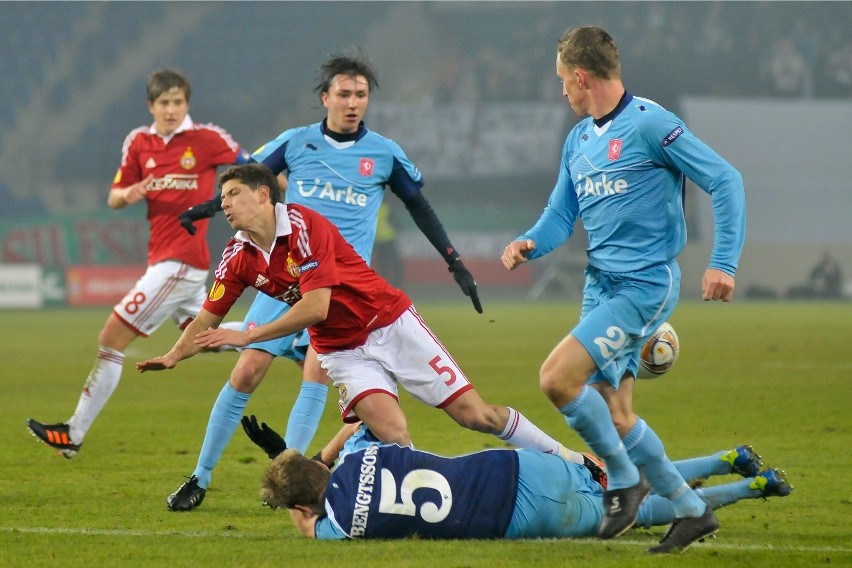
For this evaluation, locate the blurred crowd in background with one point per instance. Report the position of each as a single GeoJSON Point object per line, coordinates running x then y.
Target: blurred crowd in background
{"type": "Point", "coordinates": [74, 73]}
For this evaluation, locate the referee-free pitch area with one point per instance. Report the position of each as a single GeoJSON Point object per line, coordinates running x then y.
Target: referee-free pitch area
{"type": "Point", "coordinates": [774, 375]}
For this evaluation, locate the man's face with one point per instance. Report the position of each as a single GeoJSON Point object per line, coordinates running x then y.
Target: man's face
{"type": "Point", "coordinates": [169, 110]}
{"type": "Point", "coordinates": [242, 206]}
{"type": "Point", "coordinates": [346, 101]}
{"type": "Point", "coordinates": [573, 92]}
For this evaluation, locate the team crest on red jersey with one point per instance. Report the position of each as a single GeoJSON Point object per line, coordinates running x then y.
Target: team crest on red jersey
{"type": "Point", "coordinates": [614, 149]}
{"type": "Point", "coordinates": [366, 167]}
{"type": "Point", "coordinates": [292, 267]}
{"type": "Point", "coordinates": [187, 161]}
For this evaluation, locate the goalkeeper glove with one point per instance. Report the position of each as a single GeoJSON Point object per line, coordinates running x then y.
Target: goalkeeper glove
{"type": "Point", "coordinates": [268, 439]}
{"type": "Point", "coordinates": [201, 211]}
{"type": "Point", "coordinates": [465, 280]}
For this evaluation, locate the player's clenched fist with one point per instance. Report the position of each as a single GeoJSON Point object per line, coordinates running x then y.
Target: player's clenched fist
{"type": "Point", "coordinates": [516, 252]}
{"type": "Point", "coordinates": [717, 285]}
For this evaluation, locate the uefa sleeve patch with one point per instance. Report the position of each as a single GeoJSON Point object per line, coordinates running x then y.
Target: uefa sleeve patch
{"type": "Point", "coordinates": [216, 291]}
{"type": "Point", "coordinates": [672, 136]}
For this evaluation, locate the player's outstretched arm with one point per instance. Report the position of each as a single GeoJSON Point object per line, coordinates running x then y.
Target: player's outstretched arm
{"type": "Point", "coordinates": [427, 221]}
{"type": "Point", "coordinates": [329, 454]}
{"type": "Point", "coordinates": [271, 442]}
{"type": "Point", "coordinates": [185, 346]}
{"type": "Point", "coordinates": [311, 309]}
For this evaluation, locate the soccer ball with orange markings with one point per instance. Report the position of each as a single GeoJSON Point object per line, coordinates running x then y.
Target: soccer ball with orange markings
{"type": "Point", "coordinates": [659, 353]}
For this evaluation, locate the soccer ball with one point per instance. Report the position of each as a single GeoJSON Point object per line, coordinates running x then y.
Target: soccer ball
{"type": "Point", "coordinates": [659, 353]}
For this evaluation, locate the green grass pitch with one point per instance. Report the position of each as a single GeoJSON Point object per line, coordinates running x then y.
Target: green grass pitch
{"type": "Point", "coordinates": [775, 375]}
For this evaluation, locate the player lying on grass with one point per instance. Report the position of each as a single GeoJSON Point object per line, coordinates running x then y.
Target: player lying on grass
{"type": "Point", "coordinates": [389, 491]}
{"type": "Point", "coordinates": [367, 334]}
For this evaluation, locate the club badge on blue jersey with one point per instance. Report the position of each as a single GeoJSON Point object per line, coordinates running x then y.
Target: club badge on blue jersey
{"type": "Point", "coordinates": [614, 149]}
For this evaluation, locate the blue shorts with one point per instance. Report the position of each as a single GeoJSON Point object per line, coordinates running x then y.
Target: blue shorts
{"type": "Point", "coordinates": [620, 311]}
{"type": "Point", "coordinates": [556, 499]}
{"type": "Point", "coordinates": [264, 310]}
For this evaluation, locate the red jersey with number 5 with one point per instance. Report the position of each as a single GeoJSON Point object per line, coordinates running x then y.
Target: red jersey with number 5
{"type": "Point", "coordinates": [310, 253]}
{"type": "Point", "coordinates": [184, 169]}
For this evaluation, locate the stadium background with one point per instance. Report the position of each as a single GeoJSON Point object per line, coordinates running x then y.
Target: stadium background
{"type": "Point", "coordinates": [469, 91]}
{"type": "Point", "coordinates": [773, 374]}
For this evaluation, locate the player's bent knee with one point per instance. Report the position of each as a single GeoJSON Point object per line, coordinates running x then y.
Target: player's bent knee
{"type": "Point", "coordinates": [248, 373]}
{"type": "Point", "coordinates": [559, 390]}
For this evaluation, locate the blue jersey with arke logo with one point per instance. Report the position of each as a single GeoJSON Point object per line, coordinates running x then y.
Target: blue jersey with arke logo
{"type": "Point", "coordinates": [624, 175]}
{"type": "Point", "coordinates": [343, 181]}
{"type": "Point", "coordinates": [395, 492]}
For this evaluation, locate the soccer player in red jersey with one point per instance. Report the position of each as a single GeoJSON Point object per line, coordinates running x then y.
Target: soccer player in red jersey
{"type": "Point", "coordinates": [170, 166]}
{"type": "Point", "coordinates": [367, 334]}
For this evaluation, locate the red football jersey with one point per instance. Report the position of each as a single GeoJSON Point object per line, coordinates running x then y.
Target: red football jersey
{"type": "Point", "coordinates": [309, 253]}
{"type": "Point", "coordinates": [184, 169]}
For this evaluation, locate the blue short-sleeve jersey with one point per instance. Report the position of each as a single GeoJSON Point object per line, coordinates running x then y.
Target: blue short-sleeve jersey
{"type": "Point", "coordinates": [624, 177]}
{"type": "Point", "coordinates": [342, 180]}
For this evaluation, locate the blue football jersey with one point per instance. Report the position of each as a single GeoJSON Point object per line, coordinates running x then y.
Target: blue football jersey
{"type": "Point", "coordinates": [624, 176]}
{"type": "Point", "coordinates": [395, 492]}
{"type": "Point", "coordinates": [343, 181]}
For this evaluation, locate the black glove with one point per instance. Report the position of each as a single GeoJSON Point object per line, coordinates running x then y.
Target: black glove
{"type": "Point", "coordinates": [268, 439]}
{"type": "Point", "coordinates": [201, 211]}
{"type": "Point", "coordinates": [465, 280]}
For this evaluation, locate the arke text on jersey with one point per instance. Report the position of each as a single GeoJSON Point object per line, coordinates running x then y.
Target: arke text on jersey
{"type": "Point", "coordinates": [347, 195]}
{"type": "Point", "coordinates": [603, 186]}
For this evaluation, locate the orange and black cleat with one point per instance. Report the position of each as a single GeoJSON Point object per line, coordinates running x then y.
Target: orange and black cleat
{"type": "Point", "coordinates": [54, 435]}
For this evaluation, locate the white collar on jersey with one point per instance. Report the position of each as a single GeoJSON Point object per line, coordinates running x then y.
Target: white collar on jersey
{"type": "Point", "coordinates": [338, 145]}
{"type": "Point", "coordinates": [601, 130]}
{"type": "Point", "coordinates": [282, 227]}
{"type": "Point", "coordinates": [185, 125]}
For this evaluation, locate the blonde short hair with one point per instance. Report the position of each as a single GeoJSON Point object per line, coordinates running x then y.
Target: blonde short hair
{"type": "Point", "coordinates": [590, 48]}
{"type": "Point", "coordinates": [292, 479]}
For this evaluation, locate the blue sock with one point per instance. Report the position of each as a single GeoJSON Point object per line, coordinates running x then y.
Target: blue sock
{"type": "Point", "coordinates": [223, 422]}
{"type": "Point", "coordinates": [305, 416]}
{"type": "Point", "coordinates": [721, 495]}
{"type": "Point", "coordinates": [702, 468]}
{"type": "Point", "coordinates": [589, 416]}
{"type": "Point", "coordinates": [655, 511]}
{"type": "Point", "coordinates": [646, 451]}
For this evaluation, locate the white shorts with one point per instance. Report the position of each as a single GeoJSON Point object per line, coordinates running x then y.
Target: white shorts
{"type": "Point", "coordinates": [168, 289]}
{"type": "Point", "coordinates": [404, 352]}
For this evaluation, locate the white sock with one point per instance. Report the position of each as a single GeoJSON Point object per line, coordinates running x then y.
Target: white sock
{"type": "Point", "coordinates": [102, 380]}
{"type": "Point", "coordinates": [571, 455]}
{"type": "Point", "coordinates": [522, 433]}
